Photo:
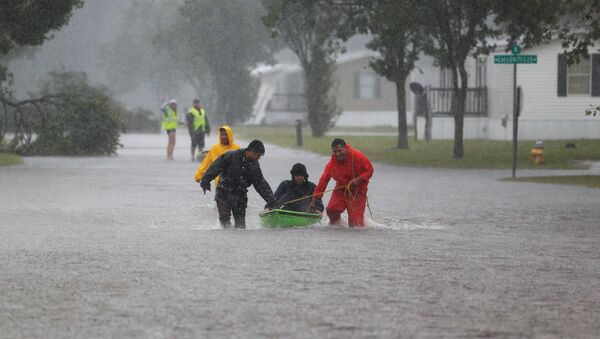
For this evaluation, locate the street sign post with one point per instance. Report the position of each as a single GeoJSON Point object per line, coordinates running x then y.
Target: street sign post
{"type": "Point", "coordinates": [514, 59]}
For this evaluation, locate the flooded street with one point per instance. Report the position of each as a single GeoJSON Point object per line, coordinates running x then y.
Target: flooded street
{"type": "Point", "coordinates": [128, 246]}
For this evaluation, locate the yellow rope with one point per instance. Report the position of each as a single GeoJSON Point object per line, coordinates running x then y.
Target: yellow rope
{"type": "Point", "coordinates": [310, 196]}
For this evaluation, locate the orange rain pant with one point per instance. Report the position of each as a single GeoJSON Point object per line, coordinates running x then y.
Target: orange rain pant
{"type": "Point", "coordinates": [355, 204]}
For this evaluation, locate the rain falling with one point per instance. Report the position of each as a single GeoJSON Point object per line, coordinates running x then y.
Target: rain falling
{"type": "Point", "coordinates": [374, 179]}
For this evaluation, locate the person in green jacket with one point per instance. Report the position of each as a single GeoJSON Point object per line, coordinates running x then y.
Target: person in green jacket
{"type": "Point", "coordinates": [198, 127]}
{"type": "Point", "coordinates": [169, 124]}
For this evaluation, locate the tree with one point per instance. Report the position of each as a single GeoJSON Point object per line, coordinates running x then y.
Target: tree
{"type": "Point", "coordinates": [459, 28]}
{"type": "Point", "coordinates": [220, 42]}
{"type": "Point", "coordinates": [398, 38]}
{"type": "Point", "coordinates": [69, 117]}
{"type": "Point", "coordinates": [530, 22]}
{"type": "Point", "coordinates": [206, 44]}
{"type": "Point", "coordinates": [26, 23]}
{"type": "Point", "coordinates": [580, 28]}
{"type": "Point", "coordinates": [311, 30]}
{"type": "Point", "coordinates": [144, 61]}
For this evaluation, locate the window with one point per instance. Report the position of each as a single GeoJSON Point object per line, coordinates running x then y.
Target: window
{"type": "Point", "coordinates": [366, 85]}
{"type": "Point", "coordinates": [582, 78]}
{"type": "Point", "coordinates": [578, 77]}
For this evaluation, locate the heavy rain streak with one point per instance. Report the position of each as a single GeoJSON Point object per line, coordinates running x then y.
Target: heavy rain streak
{"type": "Point", "coordinates": [282, 168]}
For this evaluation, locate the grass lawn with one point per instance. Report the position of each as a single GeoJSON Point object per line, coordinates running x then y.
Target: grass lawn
{"type": "Point", "coordinates": [591, 181]}
{"type": "Point", "coordinates": [10, 159]}
{"type": "Point", "coordinates": [483, 154]}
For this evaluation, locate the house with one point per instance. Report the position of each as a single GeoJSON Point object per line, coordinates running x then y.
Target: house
{"type": "Point", "coordinates": [553, 97]}
{"type": "Point", "coordinates": [365, 98]}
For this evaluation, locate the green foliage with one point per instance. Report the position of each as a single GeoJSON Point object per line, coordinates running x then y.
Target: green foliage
{"type": "Point", "coordinates": [141, 120]}
{"type": "Point", "coordinates": [145, 60]}
{"type": "Point", "coordinates": [318, 88]}
{"type": "Point", "coordinates": [591, 181]}
{"type": "Point", "coordinates": [8, 159]}
{"type": "Point", "coordinates": [26, 23]}
{"type": "Point", "coordinates": [217, 43]}
{"type": "Point", "coordinates": [482, 154]}
{"type": "Point", "coordinates": [581, 27]}
{"type": "Point", "coordinates": [313, 30]}
{"type": "Point", "coordinates": [459, 28]}
{"type": "Point", "coordinates": [529, 21]}
{"type": "Point", "coordinates": [591, 110]}
{"type": "Point", "coordinates": [82, 119]}
{"type": "Point", "coordinates": [398, 37]}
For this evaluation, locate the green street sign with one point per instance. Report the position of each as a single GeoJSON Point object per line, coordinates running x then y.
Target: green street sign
{"type": "Point", "coordinates": [515, 59]}
{"type": "Point", "coordinates": [516, 49]}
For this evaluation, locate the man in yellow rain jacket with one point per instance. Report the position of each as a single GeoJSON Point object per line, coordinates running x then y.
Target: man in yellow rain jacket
{"type": "Point", "coordinates": [225, 144]}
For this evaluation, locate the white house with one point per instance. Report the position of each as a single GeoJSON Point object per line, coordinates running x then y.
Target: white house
{"type": "Point", "coordinates": [554, 96]}
{"type": "Point", "coordinates": [365, 98]}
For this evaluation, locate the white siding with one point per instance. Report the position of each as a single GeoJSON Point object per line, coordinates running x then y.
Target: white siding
{"type": "Point", "coordinates": [500, 89]}
{"type": "Point", "coordinates": [371, 119]}
{"type": "Point", "coordinates": [539, 83]}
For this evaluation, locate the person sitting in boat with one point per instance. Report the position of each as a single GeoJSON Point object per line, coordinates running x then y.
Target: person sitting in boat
{"type": "Point", "coordinates": [290, 193]}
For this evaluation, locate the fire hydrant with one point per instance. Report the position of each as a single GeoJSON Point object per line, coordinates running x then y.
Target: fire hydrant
{"type": "Point", "coordinates": [537, 151]}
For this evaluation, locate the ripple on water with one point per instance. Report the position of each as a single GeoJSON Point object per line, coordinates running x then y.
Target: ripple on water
{"type": "Point", "coordinates": [408, 225]}
{"type": "Point", "coordinates": [212, 223]}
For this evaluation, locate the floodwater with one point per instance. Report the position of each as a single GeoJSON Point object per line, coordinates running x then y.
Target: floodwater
{"type": "Point", "coordinates": [128, 246]}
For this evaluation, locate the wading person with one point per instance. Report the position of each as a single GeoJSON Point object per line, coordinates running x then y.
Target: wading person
{"type": "Point", "coordinates": [238, 170]}
{"type": "Point", "coordinates": [297, 191]}
{"type": "Point", "coordinates": [169, 124]}
{"type": "Point", "coordinates": [351, 171]}
{"type": "Point", "coordinates": [225, 144]}
{"type": "Point", "coordinates": [198, 127]}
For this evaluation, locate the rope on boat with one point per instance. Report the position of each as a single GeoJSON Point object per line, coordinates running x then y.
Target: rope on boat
{"type": "Point", "coordinates": [310, 196]}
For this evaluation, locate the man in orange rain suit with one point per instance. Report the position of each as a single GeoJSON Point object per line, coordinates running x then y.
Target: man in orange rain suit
{"type": "Point", "coordinates": [225, 144]}
{"type": "Point", "coordinates": [351, 171]}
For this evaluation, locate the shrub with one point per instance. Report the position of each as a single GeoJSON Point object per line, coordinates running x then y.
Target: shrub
{"type": "Point", "coordinates": [141, 120]}
{"type": "Point", "coordinates": [78, 119]}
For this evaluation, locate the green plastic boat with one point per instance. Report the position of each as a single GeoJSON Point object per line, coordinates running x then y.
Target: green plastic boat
{"type": "Point", "coordinates": [284, 218]}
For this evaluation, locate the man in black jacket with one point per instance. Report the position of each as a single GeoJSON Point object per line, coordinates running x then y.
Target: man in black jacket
{"type": "Point", "coordinates": [294, 195]}
{"type": "Point", "coordinates": [238, 170]}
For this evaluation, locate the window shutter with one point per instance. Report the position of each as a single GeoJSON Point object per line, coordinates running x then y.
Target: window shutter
{"type": "Point", "coordinates": [356, 94]}
{"type": "Point", "coordinates": [377, 86]}
{"type": "Point", "coordinates": [595, 75]}
{"type": "Point", "coordinates": [562, 75]}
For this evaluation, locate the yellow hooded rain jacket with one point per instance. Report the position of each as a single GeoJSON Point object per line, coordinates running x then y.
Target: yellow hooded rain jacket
{"type": "Point", "coordinates": [215, 152]}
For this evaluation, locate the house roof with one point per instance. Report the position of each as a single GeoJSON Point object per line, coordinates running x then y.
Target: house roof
{"type": "Point", "coordinates": [283, 68]}
{"type": "Point", "coordinates": [357, 55]}
{"type": "Point", "coordinates": [263, 69]}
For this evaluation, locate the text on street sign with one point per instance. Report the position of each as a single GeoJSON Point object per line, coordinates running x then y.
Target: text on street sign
{"type": "Point", "coordinates": [515, 59]}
